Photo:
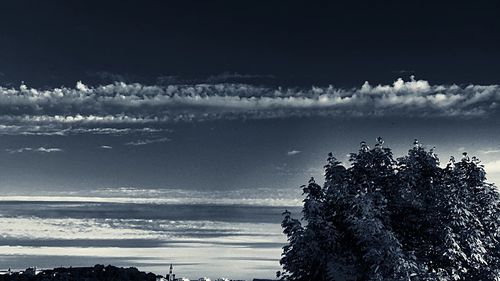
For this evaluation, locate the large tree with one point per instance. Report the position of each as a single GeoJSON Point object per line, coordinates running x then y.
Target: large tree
{"type": "Point", "coordinates": [382, 218]}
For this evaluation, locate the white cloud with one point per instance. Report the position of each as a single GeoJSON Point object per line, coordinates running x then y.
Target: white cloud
{"type": "Point", "coordinates": [147, 141]}
{"type": "Point", "coordinates": [19, 150]}
{"type": "Point", "coordinates": [132, 195]}
{"type": "Point", "coordinates": [106, 147]}
{"type": "Point", "coordinates": [491, 151]}
{"type": "Point", "coordinates": [57, 129]}
{"type": "Point", "coordinates": [38, 149]}
{"type": "Point", "coordinates": [293, 152]}
{"type": "Point", "coordinates": [48, 150]}
{"type": "Point", "coordinates": [86, 108]}
{"type": "Point", "coordinates": [492, 167]}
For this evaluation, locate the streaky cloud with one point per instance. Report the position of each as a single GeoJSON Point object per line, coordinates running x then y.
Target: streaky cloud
{"type": "Point", "coordinates": [57, 129]}
{"type": "Point", "coordinates": [147, 141]}
{"type": "Point", "coordinates": [491, 151]}
{"type": "Point", "coordinates": [37, 149]}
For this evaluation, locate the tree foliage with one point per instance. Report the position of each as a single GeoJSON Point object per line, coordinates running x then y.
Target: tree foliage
{"type": "Point", "coordinates": [382, 218]}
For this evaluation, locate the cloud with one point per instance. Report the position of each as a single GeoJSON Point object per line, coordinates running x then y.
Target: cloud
{"type": "Point", "coordinates": [142, 195]}
{"type": "Point", "coordinates": [492, 151]}
{"type": "Point", "coordinates": [19, 150]}
{"type": "Point", "coordinates": [47, 150]}
{"type": "Point", "coordinates": [106, 147]}
{"type": "Point", "coordinates": [132, 106]}
{"type": "Point", "coordinates": [31, 149]}
{"type": "Point", "coordinates": [147, 141]}
{"type": "Point", "coordinates": [293, 152]}
{"type": "Point", "coordinates": [492, 167]}
{"type": "Point", "coordinates": [54, 128]}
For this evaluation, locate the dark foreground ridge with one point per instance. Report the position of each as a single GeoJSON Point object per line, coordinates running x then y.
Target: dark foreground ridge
{"type": "Point", "coordinates": [95, 273]}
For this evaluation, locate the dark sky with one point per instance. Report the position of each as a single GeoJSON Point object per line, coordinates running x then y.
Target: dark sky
{"type": "Point", "coordinates": [344, 43]}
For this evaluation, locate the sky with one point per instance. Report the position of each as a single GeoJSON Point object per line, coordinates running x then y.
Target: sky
{"type": "Point", "coordinates": [224, 107]}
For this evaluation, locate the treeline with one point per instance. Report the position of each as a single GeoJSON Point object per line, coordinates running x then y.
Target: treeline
{"type": "Point", "coordinates": [96, 273]}
{"type": "Point", "coordinates": [381, 218]}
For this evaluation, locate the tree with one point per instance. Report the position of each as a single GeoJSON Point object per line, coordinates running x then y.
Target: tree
{"type": "Point", "coordinates": [386, 219]}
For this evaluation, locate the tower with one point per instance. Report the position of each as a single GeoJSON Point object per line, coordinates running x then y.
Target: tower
{"type": "Point", "coordinates": [170, 275]}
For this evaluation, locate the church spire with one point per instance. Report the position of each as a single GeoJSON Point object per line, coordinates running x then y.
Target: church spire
{"type": "Point", "coordinates": [170, 275]}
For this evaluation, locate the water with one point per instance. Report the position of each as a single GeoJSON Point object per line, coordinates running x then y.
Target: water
{"type": "Point", "coordinates": [216, 234]}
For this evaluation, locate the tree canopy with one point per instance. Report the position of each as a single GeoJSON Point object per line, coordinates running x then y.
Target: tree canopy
{"type": "Point", "coordinates": [408, 218]}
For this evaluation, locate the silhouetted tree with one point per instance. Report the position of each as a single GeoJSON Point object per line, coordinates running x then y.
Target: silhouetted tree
{"type": "Point", "coordinates": [387, 219]}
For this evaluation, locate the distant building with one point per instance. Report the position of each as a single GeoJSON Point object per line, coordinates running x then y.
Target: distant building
{"type": "Point", "coordinates": [31, 271]}
{"type": "Point", "coordinates": [170, 276]}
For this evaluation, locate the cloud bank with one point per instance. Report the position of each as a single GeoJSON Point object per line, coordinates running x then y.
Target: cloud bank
{"type": "Point", "coordinates": [121, 108]}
